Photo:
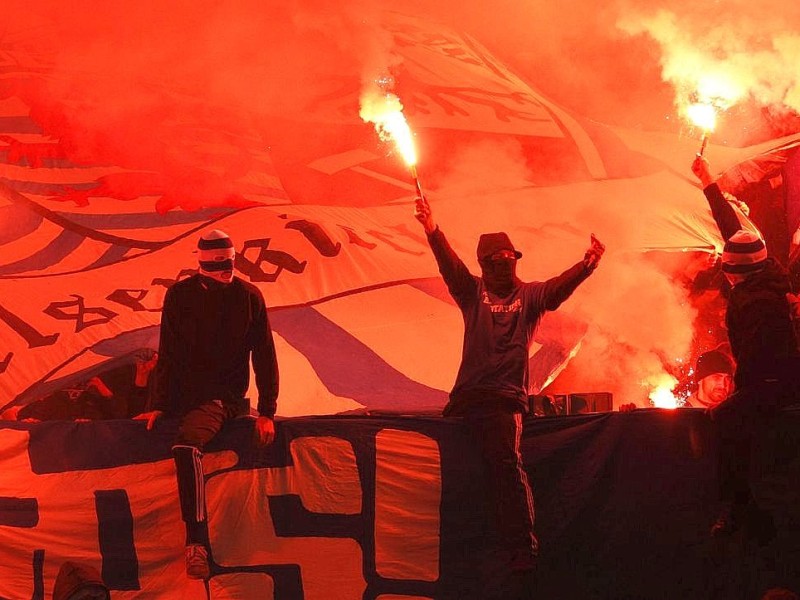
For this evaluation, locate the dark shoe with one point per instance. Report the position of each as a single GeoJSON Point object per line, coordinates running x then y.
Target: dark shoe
{"type": "Point", "coordinates": [197, 562]}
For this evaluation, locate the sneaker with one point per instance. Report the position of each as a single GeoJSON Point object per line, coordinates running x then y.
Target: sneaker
{"type": "Point", "coordinates": [197, 562]}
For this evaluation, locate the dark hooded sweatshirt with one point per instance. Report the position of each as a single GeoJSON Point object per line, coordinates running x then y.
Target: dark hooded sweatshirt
{"type": "Point", "coordinates": [208, 332]}
{"type": "Point", "coordinates": [498, 330]}
{"type": "Point", "coordinates": [758, 315]}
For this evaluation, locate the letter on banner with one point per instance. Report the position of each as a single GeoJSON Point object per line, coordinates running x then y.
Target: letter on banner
{"type": "Point", "coordinates": [408, 492]}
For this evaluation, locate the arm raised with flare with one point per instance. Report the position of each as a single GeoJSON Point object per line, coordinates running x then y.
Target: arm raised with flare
{"type": "Point", "coordinates": [721, 210]}
{"type": "Point", "coordinates": [455, 273]}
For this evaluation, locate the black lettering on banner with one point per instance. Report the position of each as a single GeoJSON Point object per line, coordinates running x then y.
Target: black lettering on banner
{"type": "Point", "coordinates": [315, 234]}
{"type": "Point", "coordinates": [387, 239]}
{"type": "Point", "coordinates": [182, 274]}
{"type": "Point", "coordinates": [253, 270]}
{"type": "Point", "coordinates": [405, 231]}
{"type": "Point", "coordinates": [6, 362]}
{"type": "Point", "coordinates": [132, 299]}
{"type": "Point", "coordinates": [25, 331]}
{"type": "Point", "coordinates": [115, 533]}
{"type": "Point", "coordinates": [38, 575]}
{"type": "Point", "coordinates": [24, 512]}
{"type": "Point", "coordinates": [19, 512]}
{"type": "Point", "coordinates": [56, 310]}
{"type": "Point", "coordinates": [354, 238]}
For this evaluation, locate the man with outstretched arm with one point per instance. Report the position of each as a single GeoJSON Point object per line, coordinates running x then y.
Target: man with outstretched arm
{"type": "Point", "coordinates": [764, 347]}
{"type": "Point", "coordinates": [500, 314]}
{"type": "Point", "coordinates": [212, 324]}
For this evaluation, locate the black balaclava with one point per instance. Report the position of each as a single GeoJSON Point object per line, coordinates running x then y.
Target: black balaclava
{"type": "Point", "coordinates": [500, 276]}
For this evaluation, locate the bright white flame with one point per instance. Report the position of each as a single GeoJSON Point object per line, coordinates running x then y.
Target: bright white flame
{"type": "Point", "coordinates": [720, 88]}
{"type": "Point", "coordinates": [386, 111]}
{"type": "Point", "coordinates": [661, 395]}
{"type": "Point", "coordinates": [703, 115]}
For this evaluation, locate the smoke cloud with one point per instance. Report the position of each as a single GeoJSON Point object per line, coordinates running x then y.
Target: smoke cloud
{"type": "Point", "coordinates": [126, 79]}
{"type": "Point", "coordinates": [726, 57]}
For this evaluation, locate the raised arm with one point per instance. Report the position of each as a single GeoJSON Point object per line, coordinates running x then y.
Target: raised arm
{"type": "Point", "coordinates": [455, 273]}
{"type": "Point", "coordinates": [555, 290]}
{"type": "Point", "coordinates": [722, 211]}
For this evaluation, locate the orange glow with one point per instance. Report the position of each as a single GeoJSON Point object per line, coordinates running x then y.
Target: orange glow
{"type": "Point", "coordinates": [386, 111]}
{"type": "Point", "coordinates": [661, 396]}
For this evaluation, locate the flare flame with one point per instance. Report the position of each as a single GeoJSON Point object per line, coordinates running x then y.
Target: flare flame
{"type": "Point", "coordinates": [661, 395]}
{"type": "Point", "coordinates": [385, 111]}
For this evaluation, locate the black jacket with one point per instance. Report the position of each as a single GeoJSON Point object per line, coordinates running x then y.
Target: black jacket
{"type": "Point", "coordinates": [208, 333]}
{"type": "Point", "coordinates": [498, 330]}
{"type": "Point", "coordinates": [758, 316]}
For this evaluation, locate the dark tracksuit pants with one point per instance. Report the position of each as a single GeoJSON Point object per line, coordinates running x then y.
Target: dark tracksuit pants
{"type": "Point", "coordinates": [196, 429]}
{"type": "Point", "coordinates": [497, 433]}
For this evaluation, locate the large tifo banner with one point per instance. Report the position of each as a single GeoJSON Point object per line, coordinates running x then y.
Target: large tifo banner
{"type": "Point", "coordinates": [390, 509]}
{"type": "Point", "coordinates": [321, 215]}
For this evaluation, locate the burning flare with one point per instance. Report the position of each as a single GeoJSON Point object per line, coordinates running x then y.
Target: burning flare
{"type": "Point", "coordinates": [703, 115]}
{"type": "Point", "coordinates": [386, 111]}
{"type": "Point", "coordinates": [661, 396]}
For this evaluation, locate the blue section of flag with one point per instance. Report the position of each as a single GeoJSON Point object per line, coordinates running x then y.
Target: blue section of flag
{"type": "Point", "coordinates": [48, 256]}
{"type": "Point", "coordinates": [347, 367]}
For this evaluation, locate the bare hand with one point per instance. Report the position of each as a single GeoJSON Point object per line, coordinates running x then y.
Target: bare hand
{"type": "Point", "coordinates": [423, 214]}
{"type": "Point", "coordinates": [265, 431]}
{"type": "Point", "coordinates": [100, 386]}
{"type": "Point", "coordinates": [592, 257]}
{"type": "Point", "coordinates": [151, 417]}
{"type": "Point", "coordinates": [702, 171]}
{"type": "Point", "coordinates": [143, 369]}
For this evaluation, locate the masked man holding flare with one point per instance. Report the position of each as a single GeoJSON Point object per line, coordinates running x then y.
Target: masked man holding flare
{"type": "Point", "coordinates": [500, 314]}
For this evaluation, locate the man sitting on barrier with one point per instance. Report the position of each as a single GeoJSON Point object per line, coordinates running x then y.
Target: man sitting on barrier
{"type": "Point", "coordinates": [211, 325]}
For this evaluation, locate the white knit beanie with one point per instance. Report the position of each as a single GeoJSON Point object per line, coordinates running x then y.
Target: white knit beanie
{"type": "Point", "coordinates": [744, 254]}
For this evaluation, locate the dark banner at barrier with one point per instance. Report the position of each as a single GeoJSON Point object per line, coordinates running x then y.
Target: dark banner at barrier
{"type": "Point", "coordinates": [389, 508]}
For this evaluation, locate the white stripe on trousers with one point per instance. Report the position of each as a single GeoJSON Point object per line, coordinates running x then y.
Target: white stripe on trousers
{"type": "Point", "coordinates": [523, 476]}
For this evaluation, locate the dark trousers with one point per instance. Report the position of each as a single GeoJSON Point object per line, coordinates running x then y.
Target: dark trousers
{"type": "Point", "coordinates": [196, 429]}
{"type": "Point", "coordinates": [497, 434]}
{"type": "Point", "coordinates": [740, 422]}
